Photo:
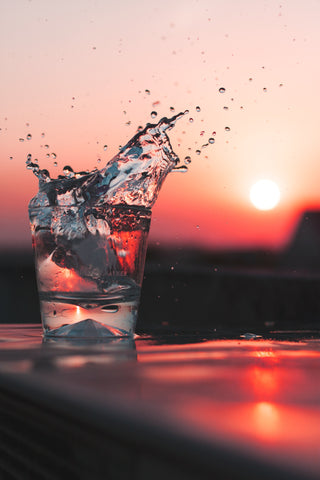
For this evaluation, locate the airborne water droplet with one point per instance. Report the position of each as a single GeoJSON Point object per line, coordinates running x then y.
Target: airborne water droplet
{"type": "Point", "coordinates": [46, 146]}
{"type": "Point", "coordinates": [29, 136]}
{"type": "Point", "coordinates": [171, 109]}
{"type": "Point", "coordinates": [222, 90]}
{"type": "Point", "coordinates": [55, 164]}
{"type": "Point", "coordinates": [198, 152]}
{"type": "Point", "coordinates": [187, 160]}
{"type": "Point", "coordinates": [10, 158]}
{"type": "Point", "coordinates": [182, 169]}
{"type": "Point", "coordinates": [225, 108]}
{"type": "Point", "coordinates": [153, 114]}
{"type": "Point", "coordinates": [68, 171]}
{"type": "Point", "coordinates": [48, 155]}
{"type": "Point", "coordinates": [147, 92]}
{"type": "Point", "coordinates": [198, 109]}
{"type": "Point", "coordinates": [53, 155]}
{"type": "Point", "coordinates": [211, 140]}
{"type": "Point", "coordinates": [42, 134]}
{"type": "Point", "coordinates": [21, 139]}
{"type": "Point", "coordinates": [190, 119]}
{"type": "Point", "coordinates": [264, 89]}
{"type": "Point", "coordinates": [99, 160]}
{"type": "Point", "coordinates": [29, 156]}
{"type": "Point", "coordinates": [227, 129]}
{"type": "Point", "coordinates": [105, 147]}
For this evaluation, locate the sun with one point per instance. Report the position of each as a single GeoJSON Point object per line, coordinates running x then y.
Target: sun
{"type": "Point", "coordinates": [265, 195]}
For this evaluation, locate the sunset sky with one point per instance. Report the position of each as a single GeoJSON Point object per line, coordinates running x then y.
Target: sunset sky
{"type": "Point", "coordinates": [71, 68]}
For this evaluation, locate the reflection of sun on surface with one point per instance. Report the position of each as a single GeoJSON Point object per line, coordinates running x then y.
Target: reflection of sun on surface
{"type": "Point", "coordinates": [265, 195]}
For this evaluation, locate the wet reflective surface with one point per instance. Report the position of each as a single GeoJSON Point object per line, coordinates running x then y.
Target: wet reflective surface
{"type": "Point", "coordinates": [256, 397]}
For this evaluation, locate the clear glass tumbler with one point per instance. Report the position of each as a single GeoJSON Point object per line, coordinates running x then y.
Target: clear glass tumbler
{"type": "Point", "coordinates": [89, 264]}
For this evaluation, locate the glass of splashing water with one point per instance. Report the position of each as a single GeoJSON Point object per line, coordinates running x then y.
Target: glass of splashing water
{"type": "Point", "coordinates": [90, 234]}
{"type": "Point", "coordinates": [89, 265]}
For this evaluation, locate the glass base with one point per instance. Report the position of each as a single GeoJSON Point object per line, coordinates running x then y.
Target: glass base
{"type": "Point", "coordinates": [87, 317]}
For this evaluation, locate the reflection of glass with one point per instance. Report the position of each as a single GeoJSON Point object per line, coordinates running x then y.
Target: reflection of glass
{"type": "Point", "coordinates": [80, 352]}
{"type": "Point", "coordinates": [89, 265]}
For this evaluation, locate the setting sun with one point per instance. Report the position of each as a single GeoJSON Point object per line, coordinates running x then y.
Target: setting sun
{"type": "Point", "coordinates": [265, 195]}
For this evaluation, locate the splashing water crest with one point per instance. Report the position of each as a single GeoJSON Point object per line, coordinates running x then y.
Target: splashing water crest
{"type": "Point", "coordinates": [133, 177]}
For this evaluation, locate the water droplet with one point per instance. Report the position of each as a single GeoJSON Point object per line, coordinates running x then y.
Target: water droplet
{"type": "Point", "coordinates": [105, 147]}
{"type": "Point", "coordinates": [186, 112]}
{"type": "Point", "coordinates": [29, 156]}
{"type": "Point", "coordinates": [222, 90]}
{"type": "Point", "coordinates": [21, 139]}
{"type": "Point", "coordinates": [172, 268]}
{"type": "Point", "coordinates": [10, 158]}
{"type": "Point", "coordinates": [124, 112]}
{"type": "Point", "coordinates": [46, 146]}
{"type": "Point", "coordinates": [53, 155]}
{"type": "Point", "coordinates": [29, 136]}
{"type": "Point", "coordinates": [171, 109]}
{"type": "Point", "coordinates": [250, 79]}
{"type": "Point", "coordinates": [187, 160]}
{"type": "Point", "coordinates": [140, 128]}
{"type": "Point", "coordinates": [55, 164]}
{"type": "Point", "coordinates": [182, 169]}
{"type": "Point", "coordinates": [264, 89]}
{"type": "Point", "coordinates": [128, 122]}
{"type": "Point", "coordinates": [35, 160]}
{"type": "Point", "coordinates": [250, 336]}
{"type": "Point", "coordinates": [211, 140]}
{"type": "Point", "coordinates": [147, 92]}
{"type": "Point", "coordinates": [99, 160]}
{"type": "Point", "coordinates": [205, 145]}
{"type": "Point", "coordinates": [213, 133]}
{"type": "Point", "coordinates": [202, 133]}
{"type": "Point", "coordinates": [110, 308]}
{"type": "Point", "coordinates": [198, 227]}
{"type": "Point", "coordinates": [68, 171]}
{"type": "Point", "coordinates": [225, 108]}
{"type": "Point", "coordinates": [198, 152]}
{"type": "Point", "coordinates": [280, 84]}
{"type": "Point", "coordinates": [48, 155]}
{"type": "Point", "coordinates": [43, 134]}
{"type": "Point", "coordinates": [153, 114]}
{"type": "Point", "coordinates": [227, 129]}
{"type": "Point", "coordinates": [198, 109]}
{"type": "Point", "coordinates": [190, 119]}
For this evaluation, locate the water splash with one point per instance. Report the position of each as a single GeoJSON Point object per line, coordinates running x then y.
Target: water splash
{"type": "Point", "coordinates": [133, 177]}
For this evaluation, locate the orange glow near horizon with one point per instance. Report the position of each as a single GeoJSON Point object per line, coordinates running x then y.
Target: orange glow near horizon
{"type": "Point", "coordinates": [86, 82]}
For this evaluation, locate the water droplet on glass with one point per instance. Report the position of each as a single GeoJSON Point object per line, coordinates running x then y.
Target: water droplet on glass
{"type": "Point", "coordinates": [182, 169]}
{"type": "Point", "coordinates": [147, 92]}
{"type": "Point", "coordinates": [171, 109]}
{"type": "Point", "coordinates": [190, 119]}
{"type": "Point", "coordinates": [105, 147]}
{"type": "Point", "coordinates": [21, 139]}
{"type": "Point", "coordinates": [187, 160]}
{"type": "Point", "coordinates": [222, 90]}
{"type": "Point", "coordinates": [264, 89]}
{"type": "Point", "coordinates": [153, 114]}
{"type": "Point", "coordinates": [198, 152]}
{"type": "Point", "coordinates": [53, 155]}
{"type": "Point", "coordinates": [227, 129]}
{"type": "Point", "coordinates": [46, 146]}
{"type": "Point", "coordinates": [29, 136]}
{"type": "Point", "coordinates": [110, 308]}
{"type": "Point", "coordinates": [198, 109]}
{"type": "Point", "coordinates": [211, 140]}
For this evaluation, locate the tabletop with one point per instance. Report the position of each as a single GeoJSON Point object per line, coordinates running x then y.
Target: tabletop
{"type": "Point", "coordinates": [177, 406]}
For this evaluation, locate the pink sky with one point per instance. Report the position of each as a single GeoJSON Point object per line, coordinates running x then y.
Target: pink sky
{"type": "Point", "coordinates": [106, 54]}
